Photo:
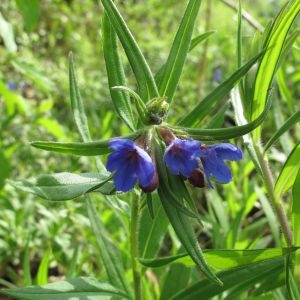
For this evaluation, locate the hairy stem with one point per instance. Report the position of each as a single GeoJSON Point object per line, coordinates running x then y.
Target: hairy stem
{"type": "Point", "coordinates": [134, 226]}
{"type": "Point", "coordinates": [275, 202]}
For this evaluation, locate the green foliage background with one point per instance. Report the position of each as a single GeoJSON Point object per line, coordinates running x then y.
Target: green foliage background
{"type": "Point", "coordinates": [55, 239]}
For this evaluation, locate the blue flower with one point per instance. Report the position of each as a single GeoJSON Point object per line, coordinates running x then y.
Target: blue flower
{"type": "Point", "coordinates": [213, 161]}
{"type": "Point", "coordinates": [130, 164]}
{"type": "Point", "coordinates": [181, 156]}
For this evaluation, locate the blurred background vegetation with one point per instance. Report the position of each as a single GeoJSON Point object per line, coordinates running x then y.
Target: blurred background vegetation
{"type": "Point", "coordinates": [35, 40]}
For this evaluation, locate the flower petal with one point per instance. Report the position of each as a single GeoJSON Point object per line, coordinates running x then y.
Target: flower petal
{"type": "Point", "coordinates": [121, 144]}
{"type": "Point", "coordinates": [227, 151]}
{"type": "Point", "coordinates": [125, 178]}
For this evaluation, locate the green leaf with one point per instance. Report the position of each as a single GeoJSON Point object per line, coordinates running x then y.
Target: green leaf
{"type": "Point", "coordinates": [222, 133]}
{"type": "Point", "coordinates": [248, 276]}
{"type": "Point", "coordinates": [200, 38]}
{"type": "Point", "coordinates": [269, 62]}
{"type": "Point", "coordinates": [79, 288]}
{"type": "Point", "coordinates": [152, 231]}
{"type": "Point", "coordinates": [291, 121]}
{"type": "Point", "coordinates": [30, 10]}
{"type": "Point", "coordinates": [288, 172]}
{"type": "Point", "coordinates": [65, 186]}
{"type": "Point", "coordinates": [42, 274]}
{"type": "Point", "coordinates": [179, 274]}
{"type": "Point", "coordinates": [142, 72]}
{"type": "Point", "coordinates": [295, 224]}
{"type": "Point", "coordinates": [211, 100]}
{"type": "Point", "coordinates": [174, 65]}
{"type": "Point", "coordinates": [76, 103]}
{"type": "Point", "coordinates": [82, 149]}
{"type": "Point", "coordinates": [115, 73]}
{"type": "Point", "coordinates": [110, 253]}
{"type": "Point", "coordinates": [222, 259]}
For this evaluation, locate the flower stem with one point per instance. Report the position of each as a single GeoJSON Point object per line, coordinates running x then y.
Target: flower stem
{"type": "Point", "coordinates": [134, 225]}
{"type": "Point", "coordinates": [275, 202]}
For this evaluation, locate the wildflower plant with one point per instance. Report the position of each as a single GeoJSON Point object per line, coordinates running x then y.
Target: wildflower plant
{"type": "Point", "coordinates": [159, 163]}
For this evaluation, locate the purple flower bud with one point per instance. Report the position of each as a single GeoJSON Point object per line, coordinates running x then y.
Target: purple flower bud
{"type": "Point", "coordinates": [130, 164]}
{"type": "Point", "coordinates": [197, 178]}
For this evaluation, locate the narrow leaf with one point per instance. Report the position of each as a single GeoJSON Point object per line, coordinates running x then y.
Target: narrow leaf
{"type": "Point", "coordinates": [295, 225]}
{"type": "Point", "coordinates": [79, 288]}
{"type": "Point", "coordinates": [211, 100]}
{"type": "Point", "coordinates": [249, 275]}
{"type": "Point", "coordinates": [223, 133]}
{"type": "Point", "coordinates": [76, 102]}
{"type": "Point", "coordinates": [291, 121]}
{"type": "Point", "coordinates": [82, 149]}
{"type": "Point", "coordinates": [288, 172]}
{"type": "Point", "coordinates": [65, 186]}
{"type": "Point", "coordinates": [269, 62]}
{"type": "Point", "coordinates": [222, 259]}
{"type": "Point", "coordinates": [200, 38]}
{"type": "Point", "coordinates": [142, 72]}
{"type": "Point", "coordinates": [42, 274]}
{"type": "Point", "coordinates": [174, 65]}
{"type": "Point", "coordinates": [115, 73]}
{"type": "Point", "coordinates": [109, 251]}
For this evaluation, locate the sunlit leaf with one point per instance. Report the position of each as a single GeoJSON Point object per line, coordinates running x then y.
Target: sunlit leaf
{"type": "Point", "coordinates": [269, 62]}
{"type": "Point", "coordinates": [288, 172]}
{"type": "Point", "coordinates": [291, 121]}
{"type": "Point", "coordinates": [245, 277]}
{"type": "Point", "coordinates": [222, 259]}
{"type": "Point", "coordinates": [65, 186]}
{"type": "Point", "coordinates": [79, 288]}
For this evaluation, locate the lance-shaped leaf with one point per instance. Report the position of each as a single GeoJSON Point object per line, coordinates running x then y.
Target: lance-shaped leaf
{"type": "Point", "coordinates": [77, 288]}
{"type": "Point", "coordinates": [212, 99]}
{"type": "Point", "coordinates": [288, 172]}
{"type": "Point", "coordinates": [115, 73]}
{"type": "Point", "coordinates": [174, 65]}
{"type": "Point", "coordinates": [142, 72]}
{"type": "Point", "coordinates": [243, 277]}
{"type": "Point", "coordinates": [76, 102]}
{"type": "Point", "coordinates": [222, 259]}
{"type": "Point", "coordinates": [269, 63]}
{"type": "Point", "coordinates": [291, 121]}
{"type": "Point", "coordinates": [194, 42]}
{"type": "Point", "coordinates": [109, 251]}
{"type": "Point", "coordinates": [65, 186]}
{"type": "Point", "coordinates": [82, 149]}
{"type": "Point", "coordinates": [222, 133]}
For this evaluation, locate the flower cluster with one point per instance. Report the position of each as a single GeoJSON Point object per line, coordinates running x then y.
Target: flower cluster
{"type": "Point", "coordinates": [186, 157]}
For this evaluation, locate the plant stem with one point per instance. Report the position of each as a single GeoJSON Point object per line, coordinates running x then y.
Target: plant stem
{"type": "Point", "coordinates": [275, 202]}
{"type": "Point", "coordinates": [134, 225]}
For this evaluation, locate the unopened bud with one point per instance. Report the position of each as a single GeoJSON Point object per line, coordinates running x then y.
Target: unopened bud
{"type": "Point", "coordinates": [197, 179]}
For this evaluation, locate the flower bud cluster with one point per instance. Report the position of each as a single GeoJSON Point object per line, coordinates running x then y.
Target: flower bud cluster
{"type": "Point", "coordinates": [134, 162]}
